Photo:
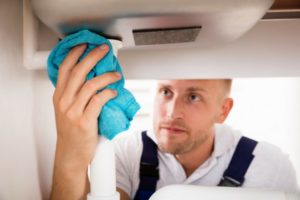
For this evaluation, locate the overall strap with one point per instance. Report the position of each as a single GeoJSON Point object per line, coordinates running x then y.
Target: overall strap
{"type": "Point", "coordinates": [149, 173]}
{"type": "Point", "coordinates": [241, 160]}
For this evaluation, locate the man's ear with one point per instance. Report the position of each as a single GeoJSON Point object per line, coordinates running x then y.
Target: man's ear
{"type": "Point", "coordinates": [225, 109]}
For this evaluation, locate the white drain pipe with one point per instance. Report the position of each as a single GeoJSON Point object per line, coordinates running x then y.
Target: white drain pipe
{"type": "Point", "coordinates": [103, 173]}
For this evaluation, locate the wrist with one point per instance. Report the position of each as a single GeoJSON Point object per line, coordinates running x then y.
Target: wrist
{"type": "Point", "coordinates": [69, 167]}
{"type": "Point", "coordinates": [70, 161]}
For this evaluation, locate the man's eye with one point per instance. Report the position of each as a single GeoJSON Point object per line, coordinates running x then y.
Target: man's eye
{"type": "Point", "coordinates": [165, 92]}
{"type": "Point", "coordinates": [194, 97]}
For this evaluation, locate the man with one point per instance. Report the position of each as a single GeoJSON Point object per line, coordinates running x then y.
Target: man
{"type": "Point", "coordinates": [192, 149]}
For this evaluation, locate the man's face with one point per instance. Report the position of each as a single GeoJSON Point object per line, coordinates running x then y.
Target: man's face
{"type": "Point", "coordinates": [185, 112]}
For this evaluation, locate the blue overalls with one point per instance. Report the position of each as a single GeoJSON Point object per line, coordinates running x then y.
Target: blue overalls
{"type": "Point", "coordinates": [232, 177]}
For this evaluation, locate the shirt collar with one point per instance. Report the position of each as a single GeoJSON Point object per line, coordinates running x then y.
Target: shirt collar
{"type": "Point", "coordinates": [224, 140]}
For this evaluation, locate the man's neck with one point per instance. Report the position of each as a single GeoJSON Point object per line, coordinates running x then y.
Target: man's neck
{"type": "Point", "coordinates": [196, 157]}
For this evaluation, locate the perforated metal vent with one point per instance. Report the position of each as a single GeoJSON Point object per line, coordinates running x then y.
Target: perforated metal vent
{"type": "Point", "coordinates": [165, 36]}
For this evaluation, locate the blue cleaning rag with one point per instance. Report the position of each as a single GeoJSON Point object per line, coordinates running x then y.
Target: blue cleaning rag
{"type": "Point", "coordinates": [116, 114]}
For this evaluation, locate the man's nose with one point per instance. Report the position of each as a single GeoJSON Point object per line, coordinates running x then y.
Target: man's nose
{"type": "Point", "coordinates": [174, 109]}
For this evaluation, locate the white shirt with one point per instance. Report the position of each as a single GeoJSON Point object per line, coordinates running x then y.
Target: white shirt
{"type": "Point", "coordinates": [270, 168]}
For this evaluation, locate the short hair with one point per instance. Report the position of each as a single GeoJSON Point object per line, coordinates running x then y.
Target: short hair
{"type": "Point", "coordinates": [227, 83]}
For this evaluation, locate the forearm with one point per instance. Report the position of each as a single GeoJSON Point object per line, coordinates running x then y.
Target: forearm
{"type": "Point", "coordinates": [69, 184]}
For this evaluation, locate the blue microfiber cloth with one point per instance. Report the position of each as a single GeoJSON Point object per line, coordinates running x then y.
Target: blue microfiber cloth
{"type": "Point", "coordinates": [116, 114]}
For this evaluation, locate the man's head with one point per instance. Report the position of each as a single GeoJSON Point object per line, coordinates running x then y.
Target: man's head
{"type": "Point", "coordinates": [185, 112]}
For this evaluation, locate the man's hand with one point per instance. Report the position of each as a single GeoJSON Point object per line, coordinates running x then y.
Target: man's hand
{"type": "Point", "coordinates": [77, 107]}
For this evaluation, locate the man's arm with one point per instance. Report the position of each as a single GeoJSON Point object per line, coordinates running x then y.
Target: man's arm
{"type": "Point", "coordinates": [123, 195]}
{"type": "Point", "coordinates": [286, 179]}
{"type": "Point", "coordinates": [77, 107]}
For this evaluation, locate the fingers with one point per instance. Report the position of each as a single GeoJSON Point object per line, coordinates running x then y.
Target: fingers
{"type": "Point", "coordinates": [66, 67]}
{"type": "Point", "coordinates": [90, 88]}
{"type": "Point", "coordinates": [96, 103]}
{"type": "Point", "coordinates": [80, 71]}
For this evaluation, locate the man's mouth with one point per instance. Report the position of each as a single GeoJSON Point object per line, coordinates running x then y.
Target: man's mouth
{"type": "Point", "coordinates": [173, 129]}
